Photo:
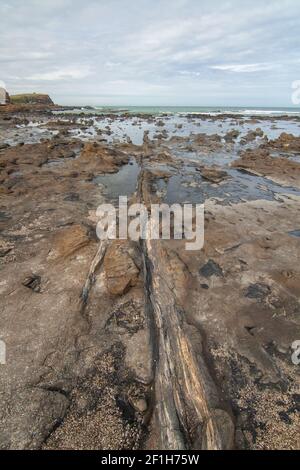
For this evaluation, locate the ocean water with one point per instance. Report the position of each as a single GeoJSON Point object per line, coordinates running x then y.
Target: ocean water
{"type": "Point", "coordinates": [157, 110]}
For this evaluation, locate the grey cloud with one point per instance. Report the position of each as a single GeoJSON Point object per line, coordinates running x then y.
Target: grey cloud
{"type": "Point", "coordinates": [152, 51]}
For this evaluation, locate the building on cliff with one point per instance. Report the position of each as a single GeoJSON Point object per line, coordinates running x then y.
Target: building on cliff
{"type": "Point", "coordinates": [4, 97]}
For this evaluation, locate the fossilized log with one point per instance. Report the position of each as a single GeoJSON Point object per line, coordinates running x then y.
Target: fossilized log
{"type": "Point", "coordinates": [187, 411]}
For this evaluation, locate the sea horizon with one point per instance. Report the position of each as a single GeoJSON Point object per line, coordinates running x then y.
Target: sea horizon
{"type": "Point", "coordinates": [214, 110]}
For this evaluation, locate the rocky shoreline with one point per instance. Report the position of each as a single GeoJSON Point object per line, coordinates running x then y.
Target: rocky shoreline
{"type": "Point", "coordinates": [143, 344]}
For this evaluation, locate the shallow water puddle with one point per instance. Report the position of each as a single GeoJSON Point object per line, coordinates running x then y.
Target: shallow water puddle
{"type": "Point", "coordinates": [290, 156]}
{"type": "Point", "coordinates": [239, 187]}
{"type": "Point", "coordinates": [295, 233]}
{"type": "Point", "coordinates": [122, 183]}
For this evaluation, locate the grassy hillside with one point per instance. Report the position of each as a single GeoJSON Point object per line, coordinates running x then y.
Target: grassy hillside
{"type": "Point", "coordinates": [30, 98]}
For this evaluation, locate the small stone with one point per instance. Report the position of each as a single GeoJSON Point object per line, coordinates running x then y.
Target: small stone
{"type": "Point", "coordinates": [285, 417]}
{"type": "Point", "coordinates": [258, 291]}
{"type": "Point", "coordinates": [72, 197]}
{"type": "Point", "coordinates": [211, 269]}
{"type": "Point", "coordinates": [139, 404]}
{"type": "Point", "coordinates": [213, 175]}
{"type": "Point", "coordinates": [33, 282]}
{"type": "Point", "coordinates": [282, 349]}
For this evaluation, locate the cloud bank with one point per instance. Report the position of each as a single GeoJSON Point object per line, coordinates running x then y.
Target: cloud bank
{"type": "Point", "coordinates": [152, 52]}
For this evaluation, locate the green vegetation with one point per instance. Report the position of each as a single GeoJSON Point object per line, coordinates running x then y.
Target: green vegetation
{"type": "Point", "coordinates": [30, 98]}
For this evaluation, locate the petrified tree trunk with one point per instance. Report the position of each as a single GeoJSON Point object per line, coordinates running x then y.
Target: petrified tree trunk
{"type": "Point", "coordinates": [187, 409]}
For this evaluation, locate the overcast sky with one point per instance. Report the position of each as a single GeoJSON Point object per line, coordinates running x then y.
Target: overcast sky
{"type": "Point", "coordinates": [152, 52]}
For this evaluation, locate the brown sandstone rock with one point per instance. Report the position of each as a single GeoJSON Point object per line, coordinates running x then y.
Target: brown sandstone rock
{"type": "Point", "coordinates": [100, 159]}
{"type": "Point", "coordinates": [121, 272]}
{"type": "Point", "coordinates": [69, 241]}
{"type": "Point", "coordinates": [212, 174]}
{"type": "Point", "coordinates": [279, 169]}
{"type": "Point", "coordinates": [286, 142]}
